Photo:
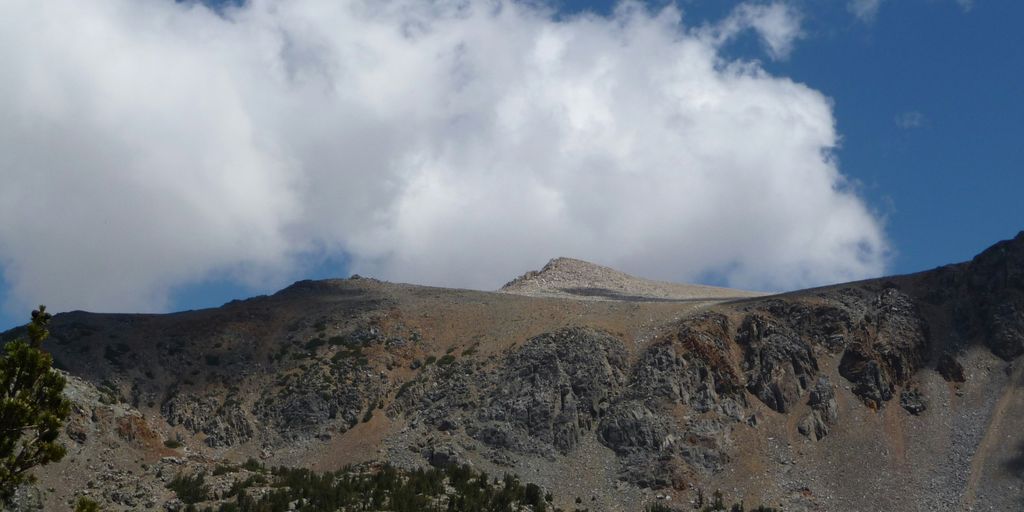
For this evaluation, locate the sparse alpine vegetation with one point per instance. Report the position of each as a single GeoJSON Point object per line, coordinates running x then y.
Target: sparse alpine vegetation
{"type": "Point", "coordinates": [452, 488]}
{"type": "Point", "coordinates": [612, 399]}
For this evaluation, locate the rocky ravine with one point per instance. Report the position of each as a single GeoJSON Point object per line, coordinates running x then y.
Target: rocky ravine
{"type": "Point", "coordinates": [892, 394]}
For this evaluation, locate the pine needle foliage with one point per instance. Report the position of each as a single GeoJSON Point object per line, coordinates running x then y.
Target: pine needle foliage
{"type": "Point", "coordinates": [190, 489]}
{"type": "Point", "coordinates": [32, 407]}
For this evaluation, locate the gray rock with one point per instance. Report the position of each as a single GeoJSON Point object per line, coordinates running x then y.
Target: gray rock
{"type": "Point", "coordinates": [890, 344]}
{"type": "Point", "coordinates": [778, 363]}
{"type": "Point", "coordinates": [332, 397]}
{"type": "Point", "coordinates": [224, 423]}
{"type": "Point", "coordinates": [824, 411]}
{"type": "Point", "coordinates": [913, 401]}
{"type": "Point", "coordinates": [552, 389]}
{"type": "Point", "coordinates": [988, 296]}
{"type": "Point", "coordinates": [445, 455]}
{"type": "Point", "coordinates": [690, 369]}
{"type": "Point", "coordinates": [950, 368]}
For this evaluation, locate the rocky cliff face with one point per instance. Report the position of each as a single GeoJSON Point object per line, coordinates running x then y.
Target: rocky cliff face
{"type": "Point", "coordinates": [638, 397]}
{"type": "Point", "coordinates": [985, 297]}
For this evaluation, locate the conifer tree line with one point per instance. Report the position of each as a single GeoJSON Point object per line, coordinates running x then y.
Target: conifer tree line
{"type": "Point", "coordinates": [453, 488]}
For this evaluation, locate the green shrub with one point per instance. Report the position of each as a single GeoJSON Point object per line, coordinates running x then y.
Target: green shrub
{"type": "Point", "coordinates": [190, 489]}
{"type": "Point", "coordinates": [315, 343]}
{"type": "Point", "coordinates": [388, 488]}
{"type": "Point", "coordinates": [238, 488]}
{"type": "Point", "coordinates": [348, 353]}
{"type": "Point", "coordinates": [404, 387]}
{"type": "Point", "coordinates": [716, 504]}
{"type": "Point", "coordinates": [660, 507]}
{"type": "Point", "coordinates": [86, 505]}
{"type": "Point", "coordinates": [532, 496]}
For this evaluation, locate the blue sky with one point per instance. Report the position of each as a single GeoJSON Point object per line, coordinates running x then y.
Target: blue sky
{"type": "Point", "coordinates": [926, 98]}
{"type": "Point", "coordinates": [929, 102]}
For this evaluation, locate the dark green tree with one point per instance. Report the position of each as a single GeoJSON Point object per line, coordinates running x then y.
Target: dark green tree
{"type": "Point", "coordinates": [32, 407]}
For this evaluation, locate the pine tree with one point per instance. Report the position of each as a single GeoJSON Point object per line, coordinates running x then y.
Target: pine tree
{"type": "Point", "coordinates": [32, 407]}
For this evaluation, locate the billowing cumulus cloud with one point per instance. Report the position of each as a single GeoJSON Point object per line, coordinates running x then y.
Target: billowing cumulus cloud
{"type": "Point", "coordinates": [148, 145]}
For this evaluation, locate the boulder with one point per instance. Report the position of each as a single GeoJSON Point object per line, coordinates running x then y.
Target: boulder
{"type": "Point", "coordinates": [913, 401]}
{"type": "Point", "coordinates": [950, 368]}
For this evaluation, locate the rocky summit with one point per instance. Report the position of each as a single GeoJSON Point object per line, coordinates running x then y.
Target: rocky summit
{"type": "Point", "coordinates": [606, 391]}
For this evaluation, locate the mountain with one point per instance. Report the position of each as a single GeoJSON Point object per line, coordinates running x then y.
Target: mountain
{"type": "Point", "coordinates": [576, 279]}
{"type": "Point", "coordinates": [608, 391]}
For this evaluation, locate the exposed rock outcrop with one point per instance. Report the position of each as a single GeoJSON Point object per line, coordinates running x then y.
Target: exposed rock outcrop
{"type": "Point", "coordinates": [995, 280]}
{"type": "Point", "coordinates": [657, 450]}
{"type": "Point", "coordinates": [950, 368]}
{"type": "Point", "coordinates": [553, 388]}
{"type": "Point", "coordinates": [891, 343]}
{"type": "Point", "coordinates": [223, 423]}
{"type": "Point", "coordinates": [692, 367]}
{"type": "Point", "coordinates": [824, 411]}
{"type": "Point", "coordinates": [985, 296]}
{"type": "Point", "coordinates": [544, 397]}
{"type": "Point", "coordinates": [321, 399]}
{"type": "Point", "coordinates": [827, 325]}
{"type": "Point", "coordinates": [778, 363]}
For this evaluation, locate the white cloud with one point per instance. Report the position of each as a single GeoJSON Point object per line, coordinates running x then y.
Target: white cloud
{"type": "Point", "coordinates": [777, 24]}
{"type": "Point", "coordinates": [865, 10]}
{"type": "Point", "coordinates": [147, 145]}
{"type": "Point", "coordinates": [910, 119]}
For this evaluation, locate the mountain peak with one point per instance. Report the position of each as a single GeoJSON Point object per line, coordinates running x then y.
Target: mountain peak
{"type": "Point", "coordinates": [573, 278]}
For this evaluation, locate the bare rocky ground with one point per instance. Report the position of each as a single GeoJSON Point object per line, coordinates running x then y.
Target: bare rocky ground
{"type": "Point", "coordinates": [576, 279]}
{"type": "Point", "coordinates": [902, 393]}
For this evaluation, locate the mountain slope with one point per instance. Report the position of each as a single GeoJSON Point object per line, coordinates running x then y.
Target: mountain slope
{"type": "Point", "coordinates": [891, 394]}
{"type": "Point", "coordinates": [577, 279]}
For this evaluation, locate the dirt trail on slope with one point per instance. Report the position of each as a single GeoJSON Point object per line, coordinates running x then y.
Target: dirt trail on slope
{"type": "Point", "coordinates": [990, 441]}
